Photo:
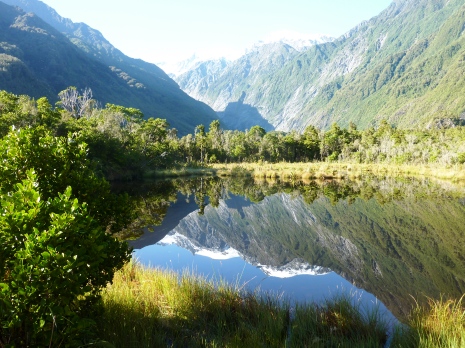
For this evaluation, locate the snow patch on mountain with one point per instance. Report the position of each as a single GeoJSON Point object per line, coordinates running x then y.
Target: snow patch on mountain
{"type": "Point", "coordinates": [215, 254]}
{"type": "Point", "coordinates": [294, 268]}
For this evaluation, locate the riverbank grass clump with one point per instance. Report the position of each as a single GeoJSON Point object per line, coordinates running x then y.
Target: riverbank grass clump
{"type": "Point", "coordinates": [441, 323]}
{"type": "Point", "coordinates": [153, 308]}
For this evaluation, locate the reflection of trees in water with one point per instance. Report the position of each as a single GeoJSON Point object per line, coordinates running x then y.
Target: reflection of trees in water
{"type": "Point", "coordinates": [383, 190]}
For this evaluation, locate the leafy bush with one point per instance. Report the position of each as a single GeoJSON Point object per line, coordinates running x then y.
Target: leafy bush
{"type": "Point", "coordinates": [55, 252]}
{"type": "Point", "coordinates": [461, 158]}
{"type": "Point", "coordinates": [60, 162]}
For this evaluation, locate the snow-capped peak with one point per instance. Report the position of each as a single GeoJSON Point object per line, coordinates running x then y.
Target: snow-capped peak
{"type": "Point", "coordinates": [215, 254]}
{"type": "Point", "coordinates": [299, 41]}
{"type": "Point", "coordinates": [294, 268]}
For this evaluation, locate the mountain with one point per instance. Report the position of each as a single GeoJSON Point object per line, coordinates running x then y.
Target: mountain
{"type": "Point", "coordinates": [174, 69]}
{"type": "Point", "coordinates": [230, 87]}
{"type": "Point", "coordinates": [42, 53]}
{"type": "Point", "coordinates": [404, 66]}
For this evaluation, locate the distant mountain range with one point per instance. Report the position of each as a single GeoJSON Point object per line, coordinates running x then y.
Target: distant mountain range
{"type": "Point", "coordinates": [42, 53]}
{"type": "Point", "coordinates": [405, 66]}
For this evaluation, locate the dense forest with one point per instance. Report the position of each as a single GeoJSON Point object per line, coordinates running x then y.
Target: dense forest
{"type": "Point", "coordinates": [123, 144]}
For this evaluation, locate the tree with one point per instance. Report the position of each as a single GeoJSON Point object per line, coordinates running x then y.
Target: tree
{"type": "Point", "coordinates": [55, 250]}
{"type": "Point", "coordinates": [47, 116]}
{"type": "Point", "coordinates": [75, 103]}
{"type": "Point", "coordinates": [215, 140]}
{"type": "Point", "coordinates": [254, 139]}
{"type": "Point", "coordinates": [60, 162]}
{"type": "Point", "coordinates": [201, 141]}
{"type": "Point", "coordinates": [333, 141]}
{"type": "Point", "coordinates": [311, 143]}
{"type": "Point", "coordinates": [131, 114]}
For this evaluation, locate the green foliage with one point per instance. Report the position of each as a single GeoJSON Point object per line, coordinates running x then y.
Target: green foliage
{"type": "Point", "coordinates": [338, 322]}
{"type": "Point", "coordinates": [60, 162]}
{"type": "Point", "coordinates": [22, 111]}
{"type": "Point", "coordinates": [384, 144]}
{"type": "Point", "coordinates": [54, 259]}
{"type": "Point", "coordinates": [439, 323]}
{"type": "Point", "coordinates": [131, 114]}
{"type": "Point", "coordinates": [123, 146]}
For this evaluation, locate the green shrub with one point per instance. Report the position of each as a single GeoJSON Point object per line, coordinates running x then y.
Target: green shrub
{"type": "Point", "coordinates": [55, 252]}
{"type": "Point", "coordinates": [60, 162]}
{"type": "Point", "coordinates": [461, 158]}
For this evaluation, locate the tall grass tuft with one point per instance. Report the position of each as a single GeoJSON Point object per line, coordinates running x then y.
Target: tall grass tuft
{"type": "Point", "coordinates": [440, 324]}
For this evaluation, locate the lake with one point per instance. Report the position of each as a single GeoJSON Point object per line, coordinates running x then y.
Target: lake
{"type": "Point", "coordinates": [381, 240]}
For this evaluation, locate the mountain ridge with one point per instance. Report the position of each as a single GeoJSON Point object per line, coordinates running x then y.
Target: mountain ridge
{"type": "Point", "coordinates": [121, 79]}
{"type": "Point", "coordinates": [382, 69]}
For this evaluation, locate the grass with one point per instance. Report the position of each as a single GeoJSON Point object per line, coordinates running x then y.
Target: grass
{"type": "Point", "coordinates": [440, 324]}
{"type": "Point", "coordinates": [338, 322]}
{"type": "Point", "coordinates": [326, 170]}
{"type": "Point", "coordinates": [152, 308]}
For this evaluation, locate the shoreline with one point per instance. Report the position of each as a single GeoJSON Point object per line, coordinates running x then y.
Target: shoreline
{"type": "Point", "coordinates": [325, 170]}
{"type": "Point", "coordinates": [316, 170]}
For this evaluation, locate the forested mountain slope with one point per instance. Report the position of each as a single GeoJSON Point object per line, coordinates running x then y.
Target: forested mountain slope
{"type": "Point", "coordinates": [37, 59]}
{"type": "Point", "coordinates": [404, 66]}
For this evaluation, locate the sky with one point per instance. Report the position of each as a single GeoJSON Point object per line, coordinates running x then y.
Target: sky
{"type": "Point", "coordinates": [173, 30]}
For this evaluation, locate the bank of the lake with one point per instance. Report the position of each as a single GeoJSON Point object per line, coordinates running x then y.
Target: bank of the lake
{"type": "Point", "coordinates": [152, 308]}
{"type": "Point", "coordinates": [327, 170]}
{"type": "Point", "coordinates": [313, 170]}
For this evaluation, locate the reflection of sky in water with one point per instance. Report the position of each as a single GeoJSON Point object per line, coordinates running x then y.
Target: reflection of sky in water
{"type": "Point", "coordinates": [236, 271]}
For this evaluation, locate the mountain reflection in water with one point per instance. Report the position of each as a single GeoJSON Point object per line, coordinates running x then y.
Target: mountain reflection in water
{"type": "Point", "coordinates": [392, 238]}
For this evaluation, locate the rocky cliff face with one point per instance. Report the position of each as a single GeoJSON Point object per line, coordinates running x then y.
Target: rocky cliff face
{"type": "Point", "coordinates": [233, 88]}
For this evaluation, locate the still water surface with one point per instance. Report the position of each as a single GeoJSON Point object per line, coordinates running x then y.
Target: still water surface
{"type": "Point", "coordinates": [381, 240]}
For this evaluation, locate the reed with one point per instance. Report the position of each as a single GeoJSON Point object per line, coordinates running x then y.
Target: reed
{"type": "Point", "coordinates": [146, 307]}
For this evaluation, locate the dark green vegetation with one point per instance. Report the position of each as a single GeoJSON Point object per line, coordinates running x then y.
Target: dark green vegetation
{"type": "Point", "coordinates": [57, 251]}
{"type": "Point", "coordinates": [59, 215]}
{"type": "Point", "coordinates": [404, 66]}
{"type": "Point", "coordinates": [41, 59]}
{"type": "Point", "coordinates": [385, 144]}
{"type": "Point", "coordinates": [124, 145]}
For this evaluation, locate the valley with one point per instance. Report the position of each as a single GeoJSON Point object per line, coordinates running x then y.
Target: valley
{"type": "Point", "coordinates": [311, 165]}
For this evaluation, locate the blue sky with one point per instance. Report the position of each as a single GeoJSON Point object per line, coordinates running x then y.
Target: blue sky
{"type": "Point", "coordinates": [171, 30]}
